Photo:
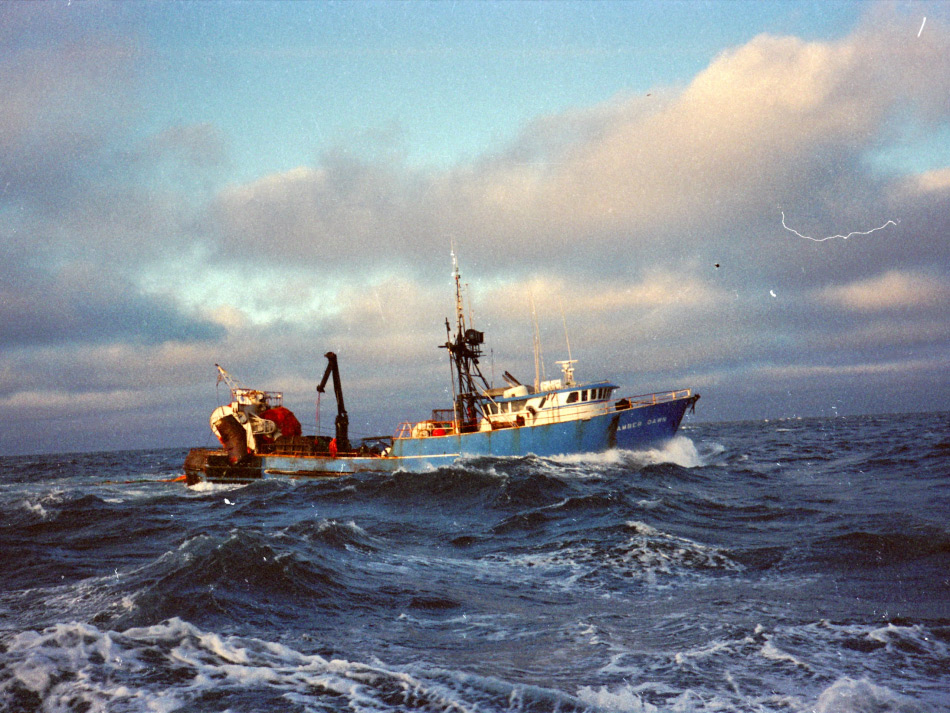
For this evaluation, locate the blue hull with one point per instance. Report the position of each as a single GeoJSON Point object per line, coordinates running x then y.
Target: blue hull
{"type": "Point", "coordinates": [631, 429]}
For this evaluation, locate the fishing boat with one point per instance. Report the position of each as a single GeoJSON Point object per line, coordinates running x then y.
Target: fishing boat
{"type": "Point", "coordinates": [261, 438]}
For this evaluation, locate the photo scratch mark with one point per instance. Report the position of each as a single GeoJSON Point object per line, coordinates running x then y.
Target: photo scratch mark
{"type": "Point", "coordinates": [832, 237]}
{"type": "Point", "coordinates": [922, 27]}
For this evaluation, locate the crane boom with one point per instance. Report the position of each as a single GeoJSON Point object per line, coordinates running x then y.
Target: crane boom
{"type": "Point", "coordinates": [225, 376]}
{"type": "Point", "coordinates": [342, 421]}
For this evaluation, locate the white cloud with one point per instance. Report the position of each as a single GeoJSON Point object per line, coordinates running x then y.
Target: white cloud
{"type": "Point", "coordinates": [894, 289]}
{"type": "Point", "coordinates": [902, 367]}
{"type": "Point", "coordinates": [934, 181]}
{"type": "Point", "coordinates": [776, 122]}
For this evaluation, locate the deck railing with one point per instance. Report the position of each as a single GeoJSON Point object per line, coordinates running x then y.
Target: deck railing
{"type": "Point", "coordinates": [432, 428]}
{"type": "Point", "coordinates": [657, 398]}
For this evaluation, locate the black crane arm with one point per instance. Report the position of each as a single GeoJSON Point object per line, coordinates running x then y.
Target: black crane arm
{"type": "Point", "coordinates": [342, 421]}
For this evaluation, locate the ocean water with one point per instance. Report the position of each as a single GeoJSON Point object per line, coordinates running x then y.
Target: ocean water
{"type": "Point", "coordinates": [798, 565]}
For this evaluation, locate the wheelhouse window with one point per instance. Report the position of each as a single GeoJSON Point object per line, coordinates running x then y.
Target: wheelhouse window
{"type": "Point", "coordinates": [572, 397]}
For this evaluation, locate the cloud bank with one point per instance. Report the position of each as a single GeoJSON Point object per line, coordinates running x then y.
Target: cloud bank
{"type": "Point", "coordinates": [649, 225]}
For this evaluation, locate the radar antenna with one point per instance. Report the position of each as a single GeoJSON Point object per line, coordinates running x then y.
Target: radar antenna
{"type": "Point", "coordinates": [567, 368]}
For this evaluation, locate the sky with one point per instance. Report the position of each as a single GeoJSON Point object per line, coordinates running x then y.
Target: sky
{"type": "Point", "coordinates": [748, 199]}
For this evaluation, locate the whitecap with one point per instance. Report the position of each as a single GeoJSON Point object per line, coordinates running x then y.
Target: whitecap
{"type": "Point", "coordinates": [74, 665]}
{"type": "Point", "coordinates": [618, 699]}
{"type": "Point", "coordinates": [847, 695]}
{"type": "Point", "coordinates": [206, 487]}
{"type": "Point", "coordinates": [679, 450]}
{"type": "Point", "coordinates": [773, 653]}
{"type": "Point", "coordinates": [647, 554]}
{"type": "Point", "coordinates": [36, 509]}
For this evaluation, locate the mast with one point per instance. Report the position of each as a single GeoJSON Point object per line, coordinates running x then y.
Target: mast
{"type": "Point", "coordinates": [464, 352]}
{"type": "Point", "coordinates": [538, 361]}
{"type": "Point", "coordinates": [566, 337]}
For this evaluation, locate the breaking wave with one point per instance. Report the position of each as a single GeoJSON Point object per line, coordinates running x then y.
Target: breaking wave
{"type": "Point", "coordinates": [175, 665]}
{"type": "Point", "coordinates": [636, 551]}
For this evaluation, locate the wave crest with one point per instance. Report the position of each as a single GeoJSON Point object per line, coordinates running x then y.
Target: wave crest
{"type": "Point", "coordinates": [174, 664]}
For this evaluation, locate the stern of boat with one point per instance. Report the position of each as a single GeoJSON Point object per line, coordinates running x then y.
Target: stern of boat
{"type": "Point", "coordinates": [212, 466]}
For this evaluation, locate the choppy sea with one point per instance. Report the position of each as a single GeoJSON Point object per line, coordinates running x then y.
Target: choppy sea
{"type": "Point", "coordinates": [797, 565]}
